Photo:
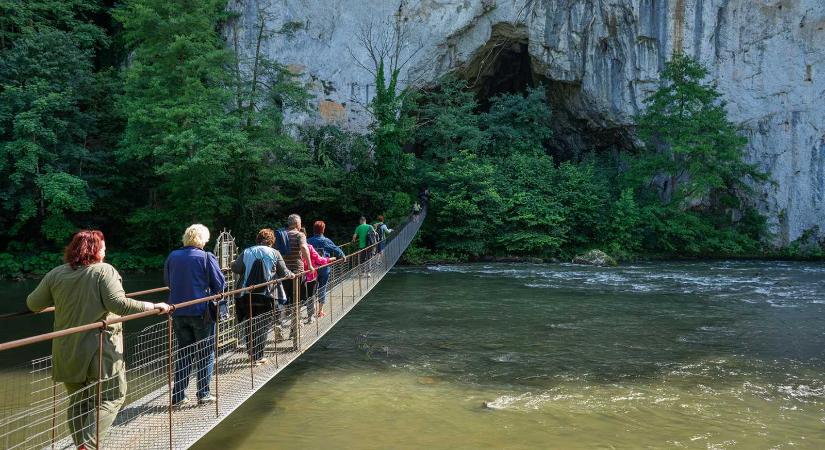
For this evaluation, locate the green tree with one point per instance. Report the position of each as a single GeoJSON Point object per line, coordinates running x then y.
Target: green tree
{"type": "Point", "coordinates": [518, 123]}
{"type": "Point", "coordinates": [623, 228]}
{"type": "Point", "coordinates": [176, 104]}
{"type": "Point", "coordinates": [693, 160]}
{"type": "Point", "coordinates": [691, 144]}
{"type": "Point", "coordinates": [467, 207]}
{"type": "Point", "coordinates": [448, 122]}
{"type": "Point", "coordinates": [48, 86]}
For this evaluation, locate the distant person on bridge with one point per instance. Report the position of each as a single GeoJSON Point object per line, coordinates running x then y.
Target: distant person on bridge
{"type": "Point", "coordinates": [190, 272]}
{"type": "Point", "coordinates": [86, 290]}
{"type": "Point", "coordinates": [383, 231]}
{"type": "Point", "coordinates": [256, 265]}
{"type": "Point", "coordinates": [298, 251]}
{"type": "Point", "coordinates": [312, 282]}
{"type": "Point", "coordinates": [362, 235]}
{"type": "Point", "coordinates": [326, 248]}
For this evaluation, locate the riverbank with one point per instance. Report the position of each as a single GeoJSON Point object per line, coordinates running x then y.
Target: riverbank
{"type": "Point", "coordinates": [416, 257]}
{"type": "Point", "coordinates": [32, 266]}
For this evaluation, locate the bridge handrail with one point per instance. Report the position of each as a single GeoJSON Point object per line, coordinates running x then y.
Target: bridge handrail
{"type": "Point", "coordinates": [9, 345]}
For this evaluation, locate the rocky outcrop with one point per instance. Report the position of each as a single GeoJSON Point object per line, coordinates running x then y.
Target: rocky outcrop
{"type": "Point", "coordinates": [595, 258]}
{"type": "Point", "coordinates": [599, 60]}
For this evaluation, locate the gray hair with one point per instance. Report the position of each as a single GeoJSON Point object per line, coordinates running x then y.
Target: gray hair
{"type": "Point", "coordinates": [293, 220]}
{"type": "Point", "coordinates": [196, 235]}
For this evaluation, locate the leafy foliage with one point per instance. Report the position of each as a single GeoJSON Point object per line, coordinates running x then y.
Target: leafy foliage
{"type": "Point", "coordinates": [691, 176]}
{"type": "Point", "coordinates": [47, 90]}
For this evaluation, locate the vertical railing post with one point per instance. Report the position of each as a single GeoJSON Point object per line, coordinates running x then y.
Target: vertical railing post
{"type": "Point", "coordinates": [54, 413]}
{"type": "Point", "coordinates": [276, 333]}
{"type": "Point", "coordinates": [250, 342]}
{"type": "Point", "coordinates": [99, 394]}
{"type": "Point", "coordinates": [354, 271]}
{"type": "Point", "coordinates": [169, 370]}
{"type": "Point", "coordinates": [216, 342]}
{"type": "Point", "coordinates": [296, 321]}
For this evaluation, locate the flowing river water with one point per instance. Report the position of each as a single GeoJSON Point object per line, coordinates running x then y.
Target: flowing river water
{"type": "Point", "coordinates": [653, 355]}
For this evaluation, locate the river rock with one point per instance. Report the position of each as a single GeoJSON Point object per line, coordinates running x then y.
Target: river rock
{"type": "Point", "coordinates": [599, 60]}
{"type": "Point", "coordinates": [595, 258]}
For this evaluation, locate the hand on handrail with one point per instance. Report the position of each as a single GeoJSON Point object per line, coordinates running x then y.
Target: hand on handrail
{"type": "Point", "coordinates": [163, 307]}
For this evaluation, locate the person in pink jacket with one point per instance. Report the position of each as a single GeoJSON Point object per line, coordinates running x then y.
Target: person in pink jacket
{"type": "Point", "coordinates": [312, 282]}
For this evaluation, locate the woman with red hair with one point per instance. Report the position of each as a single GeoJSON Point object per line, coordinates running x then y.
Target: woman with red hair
{"type": "Point", "coordinates": [87, 290]}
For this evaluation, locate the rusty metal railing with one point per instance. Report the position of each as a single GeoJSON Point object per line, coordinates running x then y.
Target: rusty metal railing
{"type": "Point", "coordinates": [32, 404]}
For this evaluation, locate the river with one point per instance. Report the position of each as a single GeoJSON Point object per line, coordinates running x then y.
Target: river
{"type": "Point", "coordinates": [653, 355]}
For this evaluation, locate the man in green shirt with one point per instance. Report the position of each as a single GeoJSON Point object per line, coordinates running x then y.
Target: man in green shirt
{"type": "Point", "coordinates": [361, 232]}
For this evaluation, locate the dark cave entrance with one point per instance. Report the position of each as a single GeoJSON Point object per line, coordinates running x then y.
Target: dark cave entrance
{"type": "Point", "coordinates": [501, 66]}
{"type": "Point", "coordinates": [504, 66]}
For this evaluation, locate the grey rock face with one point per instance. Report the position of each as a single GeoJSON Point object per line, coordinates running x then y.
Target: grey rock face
{"type": "Point", "coordinates": [601, 59]}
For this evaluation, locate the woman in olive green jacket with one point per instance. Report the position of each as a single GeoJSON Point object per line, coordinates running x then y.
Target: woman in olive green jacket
{"type": "Point", "coordinates": [87, 290]}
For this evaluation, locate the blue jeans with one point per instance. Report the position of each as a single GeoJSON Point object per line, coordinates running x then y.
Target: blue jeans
{"type": "Point", "coordinates": [196, 341]}
{"type": "Point", "coordinates": [323, 278]}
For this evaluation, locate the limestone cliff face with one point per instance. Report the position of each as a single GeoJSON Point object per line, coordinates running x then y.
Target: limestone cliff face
{"type": "Point", "coordinates": [600, 60]}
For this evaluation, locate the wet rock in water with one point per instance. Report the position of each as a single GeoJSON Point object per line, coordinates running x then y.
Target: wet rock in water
{"type": "Point", "coordinates": [595, 258]}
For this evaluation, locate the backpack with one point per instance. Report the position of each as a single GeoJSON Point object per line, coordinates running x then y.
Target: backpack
{"type": "Point", "coordinates": [380, 230]}
{"type": "Point", "coordinates": [372, 237]}
{"type": "Point", "coordinates": [257, 275]}
{"type": "Point", "coordinates": [282, 241]}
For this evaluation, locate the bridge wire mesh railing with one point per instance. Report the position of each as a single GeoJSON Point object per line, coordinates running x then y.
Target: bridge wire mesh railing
{"type": "Point", "coordinates": [38, 413]}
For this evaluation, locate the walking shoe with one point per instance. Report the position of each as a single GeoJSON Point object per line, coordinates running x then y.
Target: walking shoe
{"type": "Point", "coordinates": [321, 314]}
{"type": "Point", "coordinates": [261, 361]}
{"type": "Point", "coordinates": [207, 400]}
{"type": "Point", "coordinates": [180, 402]}
{"type": "Point", "coordinates": [310, 320]}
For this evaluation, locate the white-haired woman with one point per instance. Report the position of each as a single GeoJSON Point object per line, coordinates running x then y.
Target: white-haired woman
{"type": "Point", "coordinates": [192, 273]}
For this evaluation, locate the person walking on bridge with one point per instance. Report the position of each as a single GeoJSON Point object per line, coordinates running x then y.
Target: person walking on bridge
{"type": "Point", "coordinates": [298, 251]}
{"type": "Point", "coordinates": [191, 273]}
{"type": "Point", "coordinates": [326, 248]}
{"type": "Point", "coordinates": [256, 265]}
{"type": "Point", "coordinates": [312, 280]}
{"type": "Point", "coordinates": [361, 235]}
{"type": "Point", "coordinates": [383, 231]}
{"type": "Point", "coordinates": [86, 290]}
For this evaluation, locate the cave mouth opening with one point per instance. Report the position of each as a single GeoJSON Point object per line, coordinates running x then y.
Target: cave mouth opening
{"type": "Point", "coordinates": [503, 65]}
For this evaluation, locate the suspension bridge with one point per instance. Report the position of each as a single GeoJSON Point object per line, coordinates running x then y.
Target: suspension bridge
{"type": "Point", "coordinates": [34, 408]}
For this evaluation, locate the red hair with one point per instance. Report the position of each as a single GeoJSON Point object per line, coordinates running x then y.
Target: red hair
{"type": "Point", "coordinates": [319, 226]}
{"type": "Point", "coordinates": [84, 248]}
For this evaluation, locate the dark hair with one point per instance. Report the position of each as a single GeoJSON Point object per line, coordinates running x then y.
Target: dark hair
{"type": "Point", "coordinates": [265, 237]}
{"type": "Point", "coordinates": [380, 218]}
{"type": "Point", "coordinates": [362, 219]}
{"type": "Point", "coordinates": [84, 248]}
{"type": "Point", "coordinates": [319, 227]}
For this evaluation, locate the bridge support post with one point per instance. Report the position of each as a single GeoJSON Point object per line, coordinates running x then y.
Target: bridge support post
{"type": "Point", "coordinates": [99, 393]}
{"type": "Point", "coordinates": [250, 342]}
{"type": "Point", "coordinates": [296, 321]}
{"type": "Point", "coordinates": [169, 371]}
{"type": "Point", "coordinates": [217, 363]}
{"type": "Point", "coordinates": [276, 327]}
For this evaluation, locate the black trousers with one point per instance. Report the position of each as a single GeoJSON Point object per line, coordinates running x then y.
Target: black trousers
{"type": "Point", "coordinates": [260, 316]}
